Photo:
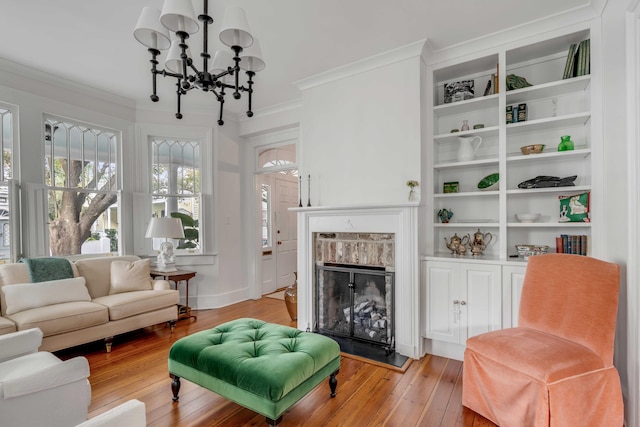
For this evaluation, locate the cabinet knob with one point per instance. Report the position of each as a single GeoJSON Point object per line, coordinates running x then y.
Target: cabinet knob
{"type": "Point", "coordinates": [455, 301]}
{"type": "Point", "coordinates": [463, 303]}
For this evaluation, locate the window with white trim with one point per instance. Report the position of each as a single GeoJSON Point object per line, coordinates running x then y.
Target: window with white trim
{"type": "Point", "coordinates": [81, 176]}
{"type": "Point", "coordinates": [6, 174]}
{"type": "Point", "coordinates": [176, 189]}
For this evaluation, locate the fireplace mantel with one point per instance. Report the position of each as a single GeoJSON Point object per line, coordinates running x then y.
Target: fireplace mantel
{"type": "Point", "coordinates": [400, 219]}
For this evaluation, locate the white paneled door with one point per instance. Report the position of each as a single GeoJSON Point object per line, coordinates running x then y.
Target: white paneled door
{"type": "Point", "coordinates": [285, 229]}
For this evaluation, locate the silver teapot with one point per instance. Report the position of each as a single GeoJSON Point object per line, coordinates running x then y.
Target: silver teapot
{"type": "Point", "coordinates": [455, 242]}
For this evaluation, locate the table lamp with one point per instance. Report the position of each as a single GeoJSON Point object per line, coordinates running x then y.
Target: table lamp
{"type": "Point", "coordinates": [167, 228]}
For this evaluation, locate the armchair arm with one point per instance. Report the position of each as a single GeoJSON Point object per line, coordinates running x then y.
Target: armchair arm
{"type": "Point", "coordinates": [52, 376]}
{"type": "Point", "coordinates": [131, 413]}
{"type": "Point", "coordinates": [19, 343]}
{"type": "Point", "coordinates": [161, 285]}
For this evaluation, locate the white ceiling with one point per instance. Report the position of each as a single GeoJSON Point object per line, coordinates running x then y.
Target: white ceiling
{"type": "Point", "coordinates": [91, 42]}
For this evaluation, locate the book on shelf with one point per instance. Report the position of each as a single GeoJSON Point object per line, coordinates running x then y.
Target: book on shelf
{"type": "Point", "coordinates": [568, 66]}
{"type": "Point", "coordinates": [578, 60]}
{"type": "Point", "coordinates": [572, 244]}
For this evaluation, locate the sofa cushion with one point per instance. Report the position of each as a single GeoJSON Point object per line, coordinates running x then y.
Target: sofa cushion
{"type": "Point", "coordinates": [129, 304]}
{"type": "Point", "coordinates": [25, 296]}
{"type": "Point", "coordinates": [127, 276]}
{"type": "Point", "coordinates": [97, 273]}
{"type": "Point", "coordinates": [59, 318]}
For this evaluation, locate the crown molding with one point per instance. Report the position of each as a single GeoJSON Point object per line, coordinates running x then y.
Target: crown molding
{"type": "Point", "coordinates": [23, 75]}
{"type": "Point", "coordinates": [396, 55]}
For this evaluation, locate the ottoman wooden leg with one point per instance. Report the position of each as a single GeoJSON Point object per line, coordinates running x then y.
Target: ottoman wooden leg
{"type": "Point", "coordinates": [175, 386]}
{"type": "Point", "coordinates": [274, 423]}
{"type": "Point", "coordinates": [333, 383]}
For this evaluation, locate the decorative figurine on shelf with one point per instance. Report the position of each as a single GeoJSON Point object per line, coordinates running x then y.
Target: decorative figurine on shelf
{"type": "Point", "coordinates": [566, 144]}
{"type": "Point", "coordinates": [465, 125]}
{"type": "Point", "coordinates": [412, 184]}
{"type": "Point", "coordinates": [516, 82]}
{"type": "Point", "coordinates": [479, 242]}
{"type": "Point", "coordinates": [456, 242]}
{"type": "Point", "coordinates": [445, 215]}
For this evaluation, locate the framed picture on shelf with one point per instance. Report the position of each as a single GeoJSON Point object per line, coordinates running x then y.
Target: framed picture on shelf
{"type": "Point", "coordinates": [574, 208]}
{"type": "Point", "coordinates": [458, 91]}
{"type": "Point", "coordinates": [451, 187]}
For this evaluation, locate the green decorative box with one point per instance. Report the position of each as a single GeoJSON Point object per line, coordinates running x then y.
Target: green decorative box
{"type": "Point", "coordinates": [574, 208]}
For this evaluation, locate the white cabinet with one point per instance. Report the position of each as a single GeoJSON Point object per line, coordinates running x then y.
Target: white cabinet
{"type": "Point", "coordinates": [463, 300]}
{"type": "Point", "coordinates": [512, 280]}
{"type": "Point", "coordinates": [555, 107]}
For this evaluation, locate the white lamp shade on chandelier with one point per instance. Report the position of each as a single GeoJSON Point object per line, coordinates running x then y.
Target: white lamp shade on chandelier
{"type": "Point", "coordinates": [178, 15]}
{"type": "Point", "coordinates": [150, 32]}
{"type": "Point", "coordinates": [252, 58]}
{"type": "Point", "coordinates": [170, 29]}
{"type": "Point", "coordinates": [173, 62]}
{"type": "Point", "coordinates": [235, 28]}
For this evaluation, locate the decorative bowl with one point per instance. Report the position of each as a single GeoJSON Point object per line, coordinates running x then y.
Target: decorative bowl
{"type": "Point", "coordinates": [528, 250]}
{"type": "Point", "coordinates": [527, 217]}
{"type": "Point", "coordinates": [532, 149]}
{"type": "Point", "coordinates": [489, 182]}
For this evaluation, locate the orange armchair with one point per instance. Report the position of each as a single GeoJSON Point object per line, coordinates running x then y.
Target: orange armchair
{"type": "Point", "coordinates": [556, 367]}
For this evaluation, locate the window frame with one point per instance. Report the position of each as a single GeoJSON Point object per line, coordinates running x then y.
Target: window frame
{"type": "Point", "coordinates": [115, 189]}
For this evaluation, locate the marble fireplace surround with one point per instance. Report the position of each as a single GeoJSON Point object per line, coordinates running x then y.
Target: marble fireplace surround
{"type": "Point", "coordinates": [400, 220]}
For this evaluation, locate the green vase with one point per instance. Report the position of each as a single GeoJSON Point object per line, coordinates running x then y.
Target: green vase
{"type": "Point", "coordinates": [566, 143]}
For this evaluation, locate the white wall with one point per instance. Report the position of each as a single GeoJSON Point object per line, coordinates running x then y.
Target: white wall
{"type": "Point", "coordinates": [360, 135]}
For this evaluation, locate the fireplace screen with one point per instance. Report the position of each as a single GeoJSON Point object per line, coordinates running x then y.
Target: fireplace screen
{"type": "Point", "coordinates": [355, 302]}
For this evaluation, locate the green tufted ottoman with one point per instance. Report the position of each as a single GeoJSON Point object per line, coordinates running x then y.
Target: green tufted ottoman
{"type": "Point", "coordinates": [261, 366]}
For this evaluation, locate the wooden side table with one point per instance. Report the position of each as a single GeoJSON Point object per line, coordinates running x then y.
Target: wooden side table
{"type": "Point", "coordinates": [178, 276]}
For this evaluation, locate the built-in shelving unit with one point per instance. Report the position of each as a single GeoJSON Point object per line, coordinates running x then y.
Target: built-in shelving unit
{"type": "Point", "coordinates": [555, 107]}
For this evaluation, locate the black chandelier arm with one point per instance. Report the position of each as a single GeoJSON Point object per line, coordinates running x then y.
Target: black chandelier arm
{"type": "Point", "coordinates": [179, 93]}
{"type": "Point", "coordinates": [250, 91]}
{"type": "Point", "coordinates": [236, 71]}
{"type": "Point", "coordinates": [221, 100]}
{"type": "Point", "coordinates": [154, 62]}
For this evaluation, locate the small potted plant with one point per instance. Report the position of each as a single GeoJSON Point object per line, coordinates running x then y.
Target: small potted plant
{"type": "Point", "coordinates": [412, 184]}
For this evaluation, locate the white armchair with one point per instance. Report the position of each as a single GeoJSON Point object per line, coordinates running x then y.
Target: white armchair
{"type": "Point", "coordinates": [37, 388]}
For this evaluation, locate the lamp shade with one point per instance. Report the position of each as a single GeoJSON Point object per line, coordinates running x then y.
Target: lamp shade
{"type": "Point", "coordinates": [148, 30]}
{"type": "Point", "coordinates": [235, 28]}
{"type": "Point", "coordinates": [178, 15]}
{"type": "Point", "coordinates": [168, 228]}
{"type": "Point", "coordinates": [174, 62]}
{"type": "Point", "coordinates": [221, 61]}
{"type": "Point", "coordinates": [252, 58]}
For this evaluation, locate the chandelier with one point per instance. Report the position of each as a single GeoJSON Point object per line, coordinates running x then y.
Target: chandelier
{"type": "Point", "coordinates": [171, 28]}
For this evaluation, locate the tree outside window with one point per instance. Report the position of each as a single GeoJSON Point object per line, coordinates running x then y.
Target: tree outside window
{"type": "Point", "coordinates": [81, 173]}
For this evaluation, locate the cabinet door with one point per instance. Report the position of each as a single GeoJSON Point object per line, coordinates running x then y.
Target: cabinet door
{"type": "Point", "coordinates": [512, 280]}
{"type": "Point", "coordinates": [443, 316]}
{"type": "Point", "coordinates": [481, 299]}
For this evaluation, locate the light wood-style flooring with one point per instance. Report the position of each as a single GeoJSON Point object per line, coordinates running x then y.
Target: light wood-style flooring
{"type": "Point", "coordinates": [427, 394]}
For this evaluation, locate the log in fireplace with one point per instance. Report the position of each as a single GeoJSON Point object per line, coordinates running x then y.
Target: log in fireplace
{"type": "Point", "coordinates": [356, 302]}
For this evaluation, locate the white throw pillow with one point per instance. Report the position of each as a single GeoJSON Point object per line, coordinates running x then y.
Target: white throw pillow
{"type": "Point", "coordinates": [130, 276]}
{"type": "Point", "coordinates": [24, 296]}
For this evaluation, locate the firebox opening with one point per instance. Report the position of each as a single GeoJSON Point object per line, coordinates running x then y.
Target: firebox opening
{"type": "Point", "coordinates": [356, 302]}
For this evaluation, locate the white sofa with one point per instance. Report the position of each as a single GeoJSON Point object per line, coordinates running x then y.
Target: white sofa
{"type": "Point", "coordinates": [38, 389]}
{"type": "Point", "coordinates": [70, 313]}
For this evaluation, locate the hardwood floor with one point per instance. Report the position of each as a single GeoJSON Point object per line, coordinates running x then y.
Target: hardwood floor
{"type": "Point", "coordinates": [428, 394]}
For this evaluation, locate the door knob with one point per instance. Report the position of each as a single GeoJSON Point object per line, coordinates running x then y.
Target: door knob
{"type": "Point", "coordinates": [279, 242]}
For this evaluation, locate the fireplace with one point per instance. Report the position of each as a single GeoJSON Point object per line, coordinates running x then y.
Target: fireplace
{"type": "Point", "coordinates": [356, 302]}
{"type": "Point", "coordinates": [383, 239]}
